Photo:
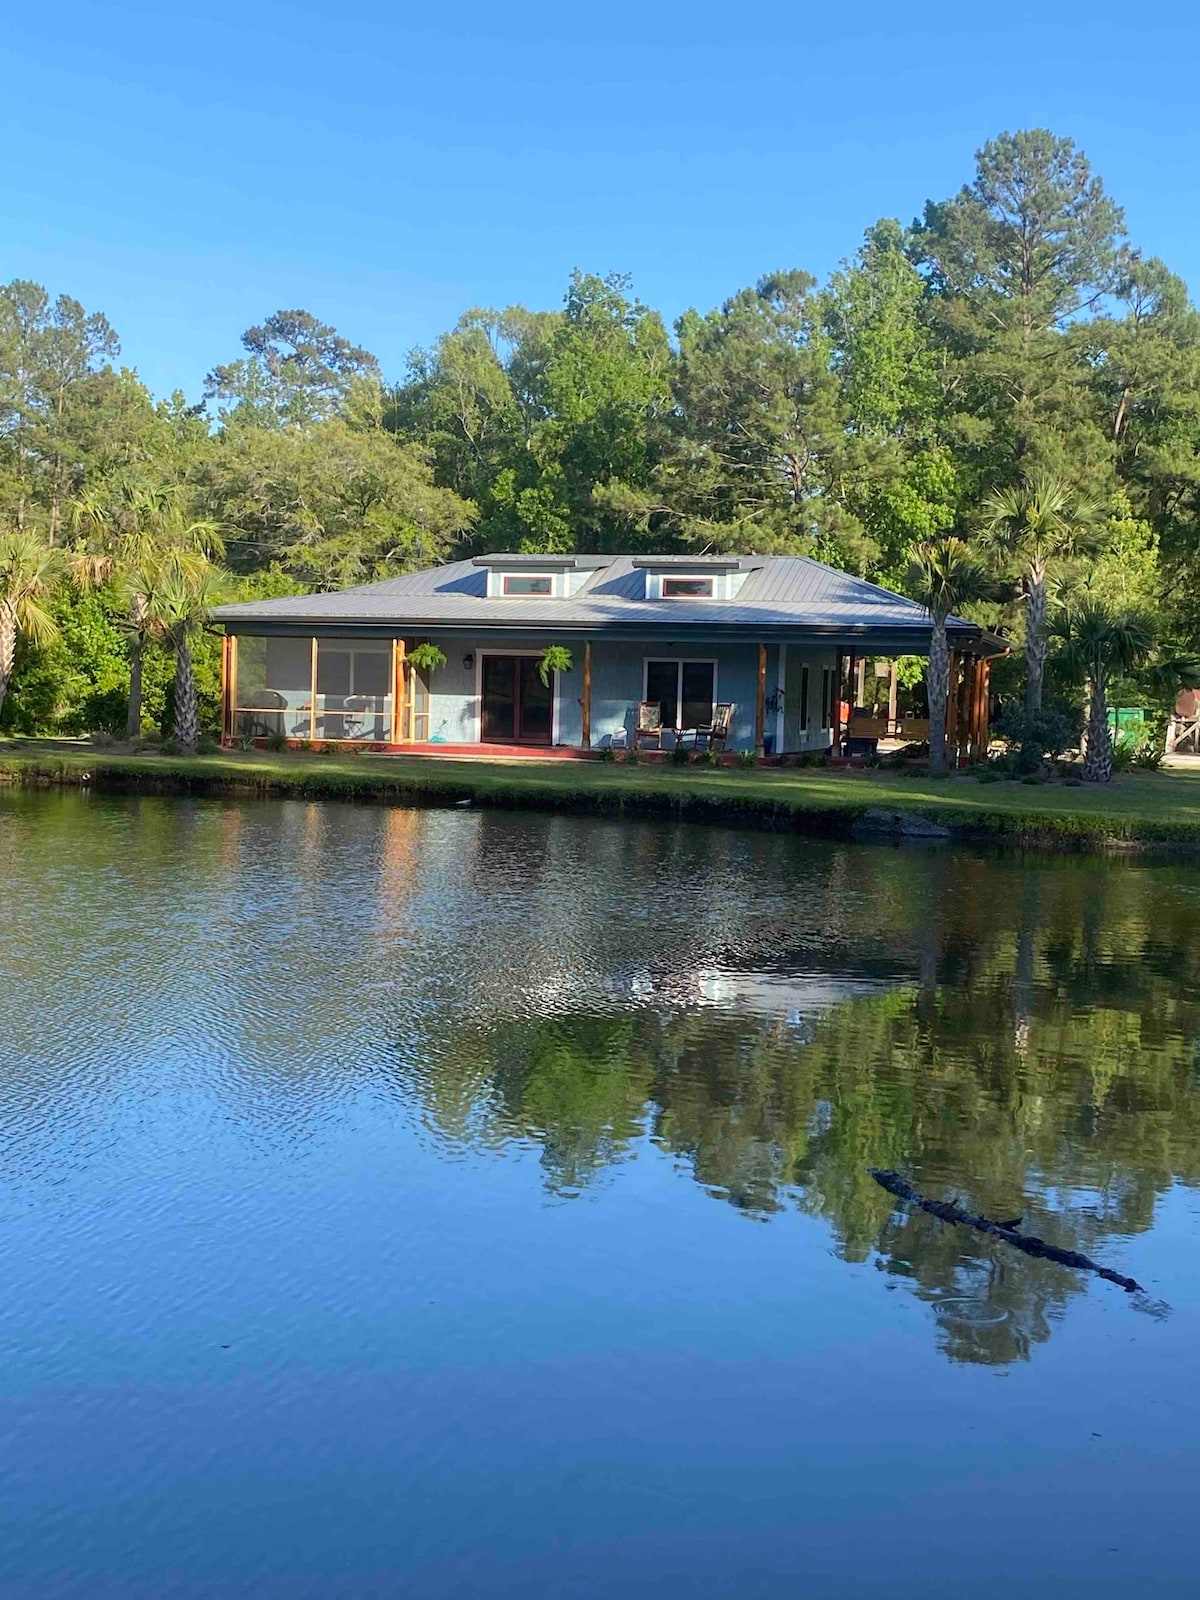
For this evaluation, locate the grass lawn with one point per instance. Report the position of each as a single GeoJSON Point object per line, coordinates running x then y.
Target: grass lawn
{"type": "Point", "coordinates": [1136, 806]}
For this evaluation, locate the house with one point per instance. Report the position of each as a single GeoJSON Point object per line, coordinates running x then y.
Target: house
{"type": "Point", "coordinates": [782, 639]}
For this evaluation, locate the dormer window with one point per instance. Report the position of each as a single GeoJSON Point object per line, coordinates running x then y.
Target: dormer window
{"type": "Point", "coordinates": [520, 583]}
{"type": "Point", "coordinates": [687, 588]}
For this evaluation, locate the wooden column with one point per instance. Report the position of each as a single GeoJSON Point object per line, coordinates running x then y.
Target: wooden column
{"type": "Point", "coordinates": [760, 700]}
{"type": "Point", "coordinates": [952, 709]}
{"type": "Point", "coordinates": [966, 737]}
{"type": "Point", "coordinates": [835, 710]}
{"type": "Point", "coordinates": [985, 676]}
{"type": "Point", "coordinates": [397, 732]}
{"type": "Point", "coordinates": [585, 704]}
{"type": "Point", "coordinates": [893, 699]}
{"type": "Point", "coordinates": [228, 685]}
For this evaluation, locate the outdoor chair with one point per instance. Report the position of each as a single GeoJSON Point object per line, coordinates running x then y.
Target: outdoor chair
{"type": "Point", "coordinates": [648, 724]}
{"type": "Point", "coordinates": [354, 722]}
{"type": "Point", "coordinates": [714, 733]}
{"type": "Point", "coordinates": [271, 704]}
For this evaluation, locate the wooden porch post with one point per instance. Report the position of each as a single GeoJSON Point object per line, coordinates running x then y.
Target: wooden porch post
{"type": "Point", "coordinates": [760, 700]}
{"type": "Point", "coordinates": [966, 740]}
{"type": "Point", "coordinates": [985, 676]}
{"type": "Point", "coordinates": [586, 702]}
{"type": "Point", "coordinates": [228, 683]}
{"type": "Point", "coordinates": [893, 698]}
{"type": "Point", "coordinates": [952, 711]}
{"type": "Point", "coordinates": [397, 730]}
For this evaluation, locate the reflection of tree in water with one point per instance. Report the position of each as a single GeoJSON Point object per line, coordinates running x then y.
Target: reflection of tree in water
{"type": "Point", "coordinates": [1042, 1062]}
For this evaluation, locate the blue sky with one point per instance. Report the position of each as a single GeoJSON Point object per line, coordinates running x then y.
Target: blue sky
{"type": "Point", "coordinates": [188, 169]}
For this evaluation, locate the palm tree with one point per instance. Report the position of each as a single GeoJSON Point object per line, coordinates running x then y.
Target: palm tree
{"type": "Point", "coordinates": [129, 528]}
{"type": "Point", "coordinates": [179, 593]}
{"type": "Point", "coordinates": [1101, 641]}
{"type": "Point", "coordinates": [30, 570]}
{"type": "Point", "coordinates": [1035, 523]}
{"type": "Point", "coordinates": [944, 576]}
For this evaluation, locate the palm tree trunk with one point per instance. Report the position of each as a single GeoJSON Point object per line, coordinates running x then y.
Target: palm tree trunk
{"type": "Point", "coordinates": [137, 646]}
{"type": "Point", "coordinates": [1098, 763]}
{"type": "Point", "coordinates": [1035, 635]}
{"type": "Point", "coordinates": [8, 646]}
{"type": "Point", "coordinates": [187, 714]}
{"type": "Point", "coordinates": [937, 680]}
{"type": "Point", "coordinates": [133, 722]}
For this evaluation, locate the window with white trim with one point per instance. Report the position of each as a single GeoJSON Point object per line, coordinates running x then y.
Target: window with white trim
{"type": "Point", "coordinates": [687, 588]}
{"type": "Point", "coordinates": [804, 698]}
{"type": "Point", "coordinates": [526, 583]}
{"type": "Point", "coordinates": [826, 697]}
{"type": "Point", "coordinates": [686, 691]}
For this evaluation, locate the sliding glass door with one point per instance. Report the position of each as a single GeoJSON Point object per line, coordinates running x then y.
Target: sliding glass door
{"type": "Point", "coordinates": [517, 707]}
{"type": "Point", "coordinates": [684, 690]}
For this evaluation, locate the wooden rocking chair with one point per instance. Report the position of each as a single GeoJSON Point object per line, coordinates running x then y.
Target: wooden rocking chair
{"type": "Point", "coordinates": [713, 733]}
{"type": "Point", "coordinates": [648, 725]}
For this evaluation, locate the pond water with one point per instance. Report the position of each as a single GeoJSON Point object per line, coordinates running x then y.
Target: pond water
{"type": "Point", "coordinates": [443, 1203]}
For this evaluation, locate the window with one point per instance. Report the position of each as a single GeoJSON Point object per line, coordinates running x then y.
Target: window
{"type": "Point", "coordinates": [687, 588]}
{"type": "Point", "coordinates": [685, 690]}
{"type": "Point", "coordinates": [517, 584]}
{"type": "Point", "coordinates": [804, 698]}
{"type": "Point", "coordinates": [826, 697]}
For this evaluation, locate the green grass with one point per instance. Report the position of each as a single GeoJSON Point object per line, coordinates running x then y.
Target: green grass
{"type": "Point", "coordinates": [1136, 807]}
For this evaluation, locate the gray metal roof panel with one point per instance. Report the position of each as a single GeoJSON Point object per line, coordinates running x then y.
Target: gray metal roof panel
{"type": "Point", "coordinates": [780, 591]}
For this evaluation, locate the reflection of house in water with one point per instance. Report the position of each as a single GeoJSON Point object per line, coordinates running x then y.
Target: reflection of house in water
{"type": "Point", "coordinates": [795, 996]}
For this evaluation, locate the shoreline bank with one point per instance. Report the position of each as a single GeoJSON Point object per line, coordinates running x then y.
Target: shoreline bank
{"type": "Point", "coordinates": [1138, 811]}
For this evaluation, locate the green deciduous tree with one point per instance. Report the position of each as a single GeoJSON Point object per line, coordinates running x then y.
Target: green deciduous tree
{"type": "Point", "coordinates": [331, 505]}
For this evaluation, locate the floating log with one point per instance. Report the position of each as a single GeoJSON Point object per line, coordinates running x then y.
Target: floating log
{"type": "Point", "coordinates": [1032, 1246]}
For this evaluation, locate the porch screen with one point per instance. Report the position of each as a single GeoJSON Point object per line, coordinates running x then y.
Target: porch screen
{"type": "Point", "coordinates": [273, 690]}
{"type": "Point", "coordinates": [353, 690]}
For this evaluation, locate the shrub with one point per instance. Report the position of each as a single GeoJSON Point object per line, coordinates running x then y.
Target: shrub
{"type": "Point", "coordinates": [989, 775]}
{"type": "Point", "coordinates": [708, 758]}
{"type": "Point", "coordinates": [102, 738]}
{"type": "Point", "coordinates": [747, 758]}
{"type": "Point", "coordinates": [680, 755]}
{"type": "Point", "coordinates": [246, 741]}
{"type": "Point", "coordinates": [1033, 777]}
{"type": "Point", "coordinates": [633, 755]}
{"type": "Point", "coordinates": [171, 747]}
{"type": "Point", "coordinates": [206, 745]}
{"type": "Point", "coordinates": [1149, 748]}
{"type": "Point", "coordinates": [1037, 734]}
{"type": "Point", "coordinates": [277, 741]}
{"type": "Point", "coordinates": [606, 753]}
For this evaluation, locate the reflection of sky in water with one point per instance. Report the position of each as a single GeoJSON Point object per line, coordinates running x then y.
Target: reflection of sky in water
{"type": "Point", "coordinates": [452, 1204]}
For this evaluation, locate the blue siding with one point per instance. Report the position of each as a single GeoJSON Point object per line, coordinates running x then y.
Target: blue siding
{"type": "Point", "coordinates": [618, 679]}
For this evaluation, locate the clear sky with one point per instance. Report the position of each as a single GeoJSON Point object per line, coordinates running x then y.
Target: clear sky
{"type": "Point", "coordinates": [188, 169]}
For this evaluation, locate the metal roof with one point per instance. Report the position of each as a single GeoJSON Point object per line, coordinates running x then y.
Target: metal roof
{"type": "Point", "coordinates": [780, 595]}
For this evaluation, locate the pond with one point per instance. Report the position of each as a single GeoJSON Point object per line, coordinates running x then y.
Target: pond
{"type": "Point", "coordinates": [443, 1203]}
